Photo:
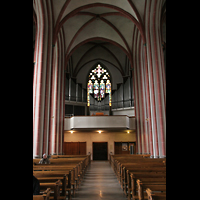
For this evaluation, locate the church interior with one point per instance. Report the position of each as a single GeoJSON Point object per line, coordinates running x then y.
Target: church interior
{"type": "Point", "coordinates": [126, 42]}
{"type": "Point", "coordinates": [99, 79]}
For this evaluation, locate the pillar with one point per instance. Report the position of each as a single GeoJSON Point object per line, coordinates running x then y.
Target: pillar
{"type": "Point", "coordinates": [48, 84]}
{"type": "Point", "coordinates": [39, 79]}
{"type": "Point", "coordinates": [155, 75]}
{"type": "Point", "coordinates": [150, 84]}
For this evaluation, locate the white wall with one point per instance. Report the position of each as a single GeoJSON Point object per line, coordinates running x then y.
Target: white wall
{"type": "Point", "coordinates": [105, 136]}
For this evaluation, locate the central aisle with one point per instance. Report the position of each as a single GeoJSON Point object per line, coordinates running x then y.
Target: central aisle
{"type": "Point", "coordinates": [100, 182]}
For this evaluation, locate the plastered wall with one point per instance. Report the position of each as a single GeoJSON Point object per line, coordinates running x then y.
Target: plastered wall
{"type": "Point", "coordinates": [90, 137]}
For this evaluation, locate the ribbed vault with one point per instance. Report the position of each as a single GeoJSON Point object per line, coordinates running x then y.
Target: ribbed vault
{"type": "Point", "coordinates": [100, 30]}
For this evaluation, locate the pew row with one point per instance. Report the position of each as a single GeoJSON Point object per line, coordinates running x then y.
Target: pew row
{"type": "Point", "coordinates": [149, 172]}
{"type": "Point", "coordinates": [55, 187]}
{"type": "Point", "coordinates": [45, 177]}
{"type": "Point", "coordinates": [44, 196]}
{"type": "Point", "coordinates": [68, 170]}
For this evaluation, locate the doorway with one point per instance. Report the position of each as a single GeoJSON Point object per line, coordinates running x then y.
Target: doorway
{"type": "Point", "coordinates": [75, 148]}
{"type": "Point", "coordinates": [100, 151]}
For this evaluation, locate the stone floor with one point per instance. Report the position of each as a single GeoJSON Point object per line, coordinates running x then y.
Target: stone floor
{"type": "Point", "coordinates": [100, 182]}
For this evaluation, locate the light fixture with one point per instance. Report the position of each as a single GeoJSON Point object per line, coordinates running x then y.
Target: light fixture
{"type": "Point", "coordinates": [128, 132]}
{"type": "Point", "coordinates": [99, 132]}
{"type": "Point", "coordinates": [71, 132]}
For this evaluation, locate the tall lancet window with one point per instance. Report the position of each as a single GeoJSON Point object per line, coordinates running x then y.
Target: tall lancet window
{"type": "Point", "coordinates": [99, 84]}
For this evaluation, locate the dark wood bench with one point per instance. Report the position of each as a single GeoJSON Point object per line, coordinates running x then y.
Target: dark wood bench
{"type": "Point", "coordinates": [159, 187]}
{"type": "Point", "coordinates": [150, 170]}
{"type": "Point", "coordinates": [77, 166]}
{"type": "Point", "coordinates": [55, 187]}
{"type": "Point", "coordinates": [82, 163]}
{"type": "Point", "coordinates": [56, 171]}
{"type": "Point", "coordinates": [146, 166]}
{"type": "Point", "coordinates": [77, 173]}
{"type": "Point", "coordinates": [129, 168]}
{"type": "Point", "coordinates": [155, 196]}
{"type": "Point", "coordinates": [147, 177]}
{"type": "Point", "coordinates": [44, 196]}
{"type": "Point", "coordinates": [52, 176]}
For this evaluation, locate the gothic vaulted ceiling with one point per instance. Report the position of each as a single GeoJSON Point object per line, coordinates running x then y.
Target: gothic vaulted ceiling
{"type": "Point", "coordinates": [98, 31]}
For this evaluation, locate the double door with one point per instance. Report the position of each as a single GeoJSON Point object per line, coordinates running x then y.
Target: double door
{"type": "Point", "coordinates": [100, 151]}
{"type": "Point", "coordinates": [75, 148]}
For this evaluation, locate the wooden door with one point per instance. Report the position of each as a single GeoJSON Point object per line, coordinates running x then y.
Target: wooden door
{"type": "Point", "coordinates": [120, 150]}
{"type": "Point", "coordinates": [67, 148]}
{"type": "Point", "coordinates": [75, 148]}
{"type": "Point", "coordinates": [118, 147]}
{"type": "Point", "coordinates": [82, 148]}
{"type": "Point", "coordinates": [100, 151]}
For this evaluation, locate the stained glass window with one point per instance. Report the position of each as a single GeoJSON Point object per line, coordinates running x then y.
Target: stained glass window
{"type": "Point", "coordinates": [108, 90]}
{"type": "Point", "coordinates": [90, 86]}
{"type": "Point", "coordinates": [88, 99]}
{"type": "Point", "coordinates": [99, 84]}
{"type": "Point", "coordinates": [96, 89]}
{"type": "Point", "coordinates": [102, 89]}
{"type": "Point", "coordinates": [108, 86]}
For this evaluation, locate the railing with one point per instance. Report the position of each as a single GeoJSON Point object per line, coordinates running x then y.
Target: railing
{"type": "Point", "coordinates": [99, 107]}
{"type": "Point", "coordinates": [98, 122]}
{"type": "Point", "coordinates": [123, 103]}
{"type": "Point", "coordinates": [102, 107]}
{"type": "Point", "coordinates": [76, 99]}
{"type": "Point", "coordinates": [69, 115]}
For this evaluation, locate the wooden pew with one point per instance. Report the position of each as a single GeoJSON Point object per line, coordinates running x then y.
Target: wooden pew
{"type": "Point", "coordinates": [115, 159]}
{"type": "Point", "coordinates": [56, 171]}
{"type": "Point", "coordinates": [141, 162]}
{"type": "Point", "coordinates": [77, 172]}
{"type": "Point", "coordinates": [129, 168]}
{"type": "Point", "coordinates": [135, 171]}
{"type": "Point", "coordinates": [77, 166]}
{"type": "Point", "coordinates": [155, 196]}
{"type": "Point", "coordinates": [81, 162]}
{"type": "Point", "coordinates": [55, 187]}
{"type": "Point", "coordinates": [60, 161]}
{"type": "Point", "coordinates": [140, 166]}
{"type": "Point", "coordinates": [159, 187]}
{"type": "Point", "coordinates": [68, 156]}
{"type": "Point", "coordinates": [44, 196]}
{"type": "Point", "coordinates": [128, 156]}
{"type": "Point", "coordinates": [152, 177]}
{"type": "Point", "coordinates": [73, 156]}
{"type": "Point", "coordinates": [53, 176]}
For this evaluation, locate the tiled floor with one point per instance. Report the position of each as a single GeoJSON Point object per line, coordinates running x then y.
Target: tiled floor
{"type": "Point", "coordinates": [100, 182]}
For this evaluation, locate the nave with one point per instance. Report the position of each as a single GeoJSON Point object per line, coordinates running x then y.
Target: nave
{"type": "Point", "coordinates": [76, 177]}
{"type": "Point", "coordinates": [100, 182]}
{"type": "Point", "coordinates": [99, 57]}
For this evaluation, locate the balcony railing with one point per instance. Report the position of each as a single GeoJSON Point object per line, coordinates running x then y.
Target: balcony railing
{"type": "Point", "coordinates": [98, 122]}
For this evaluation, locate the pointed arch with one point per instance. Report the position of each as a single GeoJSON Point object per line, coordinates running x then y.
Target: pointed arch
{"type": "Point", "coordinates": [76, 70]}
{"type": "Point", "coordinates": [97, 38]}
